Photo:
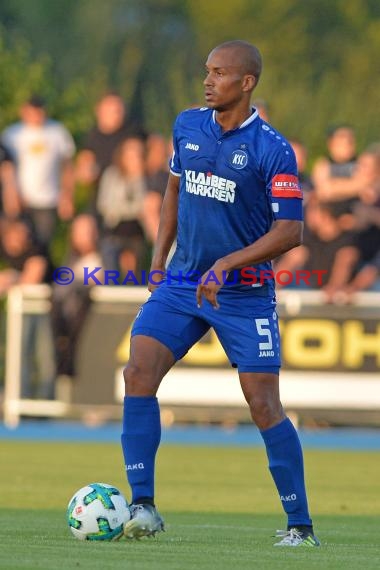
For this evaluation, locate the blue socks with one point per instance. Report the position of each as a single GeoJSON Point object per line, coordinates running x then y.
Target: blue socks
{"type": "Point", "coordinates": [141, 437]}
{"type": "Point", "coordinates": [286, 466]}
{"type": "Point", "coordinates": [140, 440]}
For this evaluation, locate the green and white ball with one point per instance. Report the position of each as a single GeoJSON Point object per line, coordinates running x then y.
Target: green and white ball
{"type": "Point", "coordinates": [98, 512]}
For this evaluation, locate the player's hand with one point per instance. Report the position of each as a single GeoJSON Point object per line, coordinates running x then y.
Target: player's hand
{"type": "Point", "coordinates": [211, 282]}
{"type": "Point", "coordinates": [154, 278]}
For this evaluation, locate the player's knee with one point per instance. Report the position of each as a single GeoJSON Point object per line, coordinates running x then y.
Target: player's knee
{"type": "Point", "coordinates": [134, 378]}
{"type": "Point", "coordinates": [265, 412]}
{"type": "Point", "coordinates": [140, 380]}
{"type": "Point", "coordinates": [128, 374]}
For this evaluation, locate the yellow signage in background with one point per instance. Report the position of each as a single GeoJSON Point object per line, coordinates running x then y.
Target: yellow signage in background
{"type": "Point", "coordinates": [309, 344]}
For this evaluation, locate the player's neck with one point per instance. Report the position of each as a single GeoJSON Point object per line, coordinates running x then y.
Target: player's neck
{"type": "Point", "coordinates": [232, 118]}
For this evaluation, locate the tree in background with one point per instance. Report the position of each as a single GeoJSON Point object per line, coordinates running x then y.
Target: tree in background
{"type": "Point", "coordinates": [321, 63]}
{"type": "Point", "coordinates": [19, 77]}
{"type": "Point", "coordinates": [321, 55]}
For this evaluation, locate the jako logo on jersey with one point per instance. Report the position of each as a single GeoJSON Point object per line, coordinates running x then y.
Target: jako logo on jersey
{"type": "Point", "coordinates": [134, 466]}
{"type": "Point", "coordinates": [192, 146]}
{"type": "Point", "coordinates": [286, 186]}
{"type": "Point", "coordinates": [210, 185]}
{"type": "Point", "coordinates": [288, 498]}
{"type": "Point", "coordinates": [239, 159]}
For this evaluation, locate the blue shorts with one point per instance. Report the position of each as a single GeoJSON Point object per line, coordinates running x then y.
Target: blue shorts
{"type": "Point", "coordinates": [246, 325]}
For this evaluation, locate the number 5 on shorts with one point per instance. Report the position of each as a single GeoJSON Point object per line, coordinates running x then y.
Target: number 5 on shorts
{"type": "Point", "coordinates": [262, 327]}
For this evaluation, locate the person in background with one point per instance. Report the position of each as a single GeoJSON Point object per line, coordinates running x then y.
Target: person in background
{"type": "Point", "coordinates": [42, 150]}
{"type": "Point", "coordinates": [157, 171]}
{"type": "Point", "coordinates": [71, 303]}
{"type": "Point", "coordinates": [324, 248]}
{"type": "Point", "coordinates": [337, 167]}
{"type": "Point", "coordinates": [97, 152]}
{"type": "Point", "coordinates": [120, 207]}
{"type": "Point", "coordinates": [361, 270]}
{"type": "Point", "coordinates": [26, 262]}
{"type": "Point", "coordinates": [10, 204]}
{"type": "Point", "coordinates": [301, 155]}
{"type": "Point", "coordinates": [329, 225]}
{"type": "Point", "coordinates": [367, 278]}
{"type": "Point", "coordinates": [262, 108]}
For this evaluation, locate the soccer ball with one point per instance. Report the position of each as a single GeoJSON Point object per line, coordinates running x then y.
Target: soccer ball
{"type": "Point", "coordinates": [98, 512]}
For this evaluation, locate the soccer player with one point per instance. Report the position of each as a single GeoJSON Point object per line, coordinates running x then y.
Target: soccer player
{"type": "Point", "coordinates": [234, 202]}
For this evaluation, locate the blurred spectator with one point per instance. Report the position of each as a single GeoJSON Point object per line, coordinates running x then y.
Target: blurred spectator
{"type": "Point", "coordinates": [325, 247]}
{"type": "Point", "coordinates": [300, 152]}
{"type": "Point", "coordinates": [262, 108]}
{"type": "Point", "coordinates": [157, 163]}
{"type": "Point", "coordinates": [111, 129]}
{"type": "Point", "coordinates": [367, 225]}
{"type": "Point", "coordinates": [10, 204]}
{"type": "Point", "coordinates": [70, 303]}
{"type": "Point", "coordinates": [368, 277]}
{"type": "Point", "coordinates": [157, 170]}
{"type": "Point", "coordinates": [332, 174]}
{"type": "Point", "coordinates": [43, 151]}
{"type": "Point", "coordinates": [26, 263]}
{"type": "Point", "coordinates": [120, 205]}
{"type": "Point", "coordinates": [329, 218]}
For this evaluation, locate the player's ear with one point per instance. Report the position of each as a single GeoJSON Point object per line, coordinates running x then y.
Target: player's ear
{"type": "Point", "coordinates": [249, 82]}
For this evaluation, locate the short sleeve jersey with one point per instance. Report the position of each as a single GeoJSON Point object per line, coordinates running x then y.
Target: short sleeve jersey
{"type": "Point", "coordinates": [233, 185]}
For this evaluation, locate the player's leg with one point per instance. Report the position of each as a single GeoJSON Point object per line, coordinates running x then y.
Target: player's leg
{"type": "Point", "coordinates": [250, 337]}
{"type": "Point", "coordinates": [149, 361]}
{"type": "Point", "coordinates": [163, 332]}
{"type": "Point", "coordinates": [261, 391]}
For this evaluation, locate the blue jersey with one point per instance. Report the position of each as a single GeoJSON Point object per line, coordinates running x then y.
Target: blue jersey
{"type": "Point", "coordinates": [233, 185]}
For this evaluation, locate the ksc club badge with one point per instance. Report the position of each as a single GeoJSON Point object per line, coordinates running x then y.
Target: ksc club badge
{"type": "Point", "coordinates": [239, 159]}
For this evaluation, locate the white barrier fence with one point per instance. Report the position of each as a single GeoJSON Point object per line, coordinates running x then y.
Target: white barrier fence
{"type": "Point", "coordinates": [22, 300]}
{"type": "Point", "coordinates": [348, 354]}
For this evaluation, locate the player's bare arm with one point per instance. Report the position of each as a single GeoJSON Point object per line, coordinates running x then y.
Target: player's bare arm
{"type": "Point", "coordinates": [168, 226]}
{"type": "Point", "coordinates": [282, 237]}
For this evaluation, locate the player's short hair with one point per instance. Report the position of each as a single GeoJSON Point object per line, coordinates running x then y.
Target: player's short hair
{"type": "Point", "coordinates": [250, 56]}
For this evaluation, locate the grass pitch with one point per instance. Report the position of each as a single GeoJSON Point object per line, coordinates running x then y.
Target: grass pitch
{"type": "Point", "coordinates": [219, 504]}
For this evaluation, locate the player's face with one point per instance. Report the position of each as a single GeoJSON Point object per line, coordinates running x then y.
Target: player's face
{"type": "Point", "coordinates": [224, 80]}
